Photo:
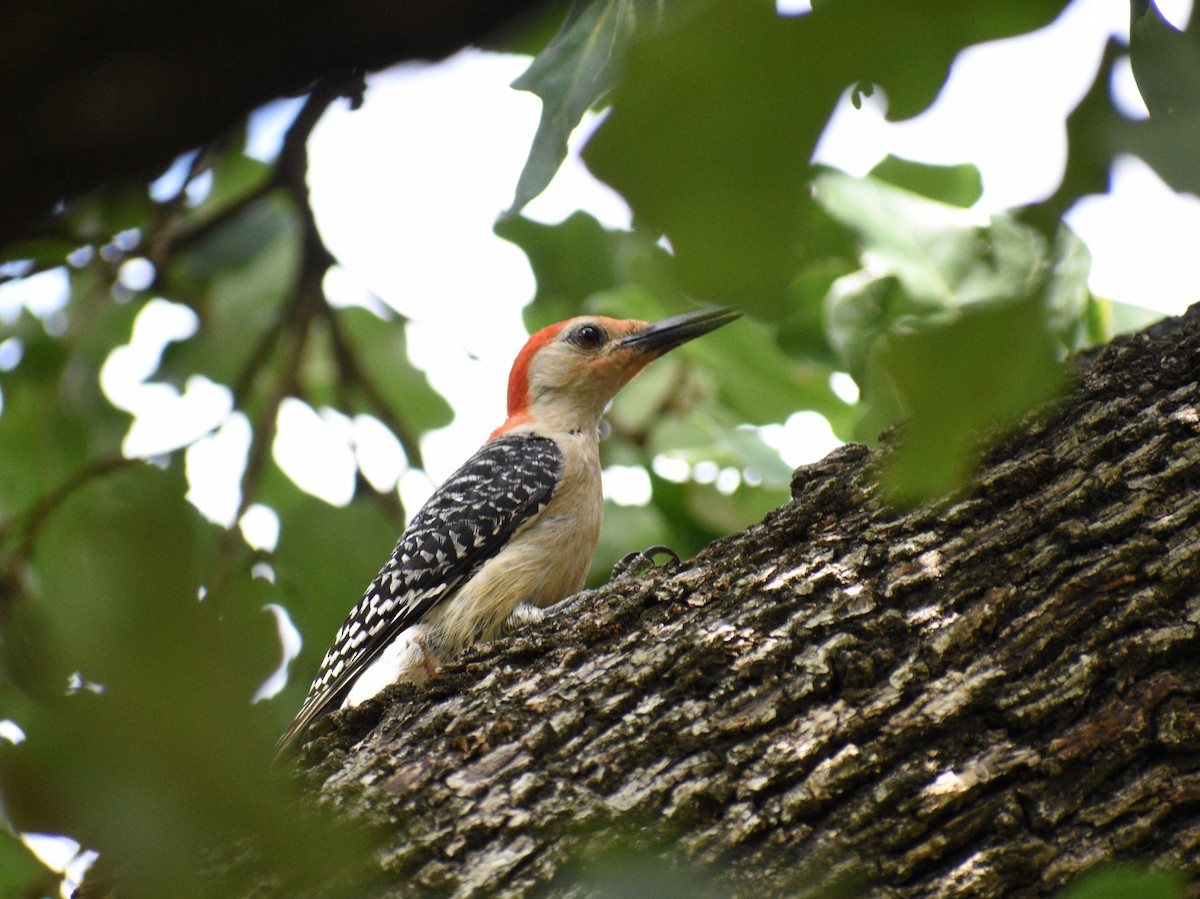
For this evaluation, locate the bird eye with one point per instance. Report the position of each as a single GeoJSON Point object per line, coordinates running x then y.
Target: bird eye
{"type": "Point", "coordinates": [588, 337]}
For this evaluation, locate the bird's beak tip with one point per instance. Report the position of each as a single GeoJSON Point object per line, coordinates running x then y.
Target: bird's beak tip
{"type": "Point", "coordinates": [665, 335]}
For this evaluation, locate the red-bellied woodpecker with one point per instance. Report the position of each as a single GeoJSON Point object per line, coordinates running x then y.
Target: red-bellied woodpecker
{"type": "Point", "coordinates": [509, 533]}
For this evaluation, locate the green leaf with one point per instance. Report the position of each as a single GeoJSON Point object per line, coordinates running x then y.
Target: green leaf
{"type": "Point", "coordinates": [237, 279]}
{"type": "Point", "coordinates": [235, 176]}
{"type": "Point", "coordinates": [380, 349]}
{"type": "Point", "coordinates": [21, 874]}
{"type": "Point", "coordinates": [98, 216]}
{"type": "Point", "coordinates": [921, 260]}
{"type": "Point", "coordinates": [237, 242]}
{"type": "Point", "coordinates": [1165, 60]}
{"type": "Point", "coordinates": [40, 446]}
{"type": "Point", "coordinates": [755, 380]}
{"type": "Point", "coordinates": [1119, 880]}
{"type": "Point", "coordinates": [1097, 133]}
{"type": "Point", "coordinates": [579, 258]}
{"type": "Point", "coordinates": [802, 325]}
{"type": "Point", "coordinates": [55, 420]}
{"type": "Point", "coordinates": [45, 252]}
{"type": "Point", "coordinates": [959, 381]}
{"type": "Point", "coordinates": [718, 113]}
{"type": "Point", "coordinates": [1067, 296]}
{"type": "Point", "coordinates": [1124, 318]}
{"type": "Point", "coordinates": [941, 255]}
{"type": "Point", "coordinates": [570, 75]}
{"type": "Point", "coordinates": [169, 759]}
{"type": "Point", "coordinates": [956, 185]}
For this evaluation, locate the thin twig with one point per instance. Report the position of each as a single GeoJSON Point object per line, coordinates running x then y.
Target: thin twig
{"type": "Point", "coordinates": [32, 519]}
{"type": "Point", "coordinates": [353, 373]}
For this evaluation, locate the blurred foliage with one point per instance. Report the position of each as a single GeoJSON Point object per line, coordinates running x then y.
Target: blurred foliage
{"type": "Point", "coordinates": [951, 322]}
{"type": "Point", "coordinates": [1120, 880]}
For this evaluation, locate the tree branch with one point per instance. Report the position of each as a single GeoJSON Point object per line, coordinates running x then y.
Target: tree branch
{"type": "Point", "coordinates": [105, 101]}
{"type": "Point", "coordinates": [979, 698]}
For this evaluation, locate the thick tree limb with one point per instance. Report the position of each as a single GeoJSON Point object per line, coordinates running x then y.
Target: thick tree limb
{"type": "Point", "coordinates": [102, 91]}
{"type": "Point", "coordinates": [980, 699]}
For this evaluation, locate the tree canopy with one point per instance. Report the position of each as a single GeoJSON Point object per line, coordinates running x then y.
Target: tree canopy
{"type": "Point", "coordinates": [133, 629]}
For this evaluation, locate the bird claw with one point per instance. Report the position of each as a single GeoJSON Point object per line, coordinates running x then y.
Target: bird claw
{"type": "Point", "coordinates": [638, 563]}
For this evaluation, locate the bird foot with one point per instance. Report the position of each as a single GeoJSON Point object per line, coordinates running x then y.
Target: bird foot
{"type": "Point", "coordinates": [636, 564]}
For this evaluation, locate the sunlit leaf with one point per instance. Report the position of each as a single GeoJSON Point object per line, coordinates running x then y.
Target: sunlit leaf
{"type": "Point", "coordinates": [957, 185]}
{"type": "Point", "coordinates": [941, 255]}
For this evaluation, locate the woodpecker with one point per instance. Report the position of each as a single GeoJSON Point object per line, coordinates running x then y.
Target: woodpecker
{"type": "Point", "coordinates": [513, 530]}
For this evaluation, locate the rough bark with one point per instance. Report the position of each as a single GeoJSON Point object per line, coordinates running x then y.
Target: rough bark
{"type": "Point", "coordinates": [979, 699]}
{"type": "Point", "coordinates": [97, 91]}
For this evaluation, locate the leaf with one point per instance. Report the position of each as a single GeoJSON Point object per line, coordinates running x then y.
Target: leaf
{"type": "Point", "coordinates": [1117, 880]}
{"type": "Point", "coordinates": [234, 177]}
{"type": "Point", "coordinates": [237, 279]}
{"type": "Point", "coordinates": [579, 257]}
{"type": "Point", "coordinates": [717, 115]}
{"type": "Point", "coordinates": [941, 255]}
{"type": "Point", "coordinates": [756, 381]}
{"type": "Point", "coordinates": [802, 326]}
{"type": "Point", "coordinates": [55, 420]}
{"type": "Point", "coordinates": [21, 874]}
{"type": "Point", "coordinates": [922, 260]}
{"type": "Point", "coordinates": [1165, 60]}
{"type": "Point", "coordinates": [380, 349]}
{"type": "Point", "coordinates": [45, 252]}
{"type": "Point", "coordinates": [958, 381]}
{"type": "Point", "coordinates": [956, 185]}
{"type": "Point", "coordinates": [98, 216]}
{"type": "Point", "coordinates": [1097, 133]}
{"type": "Point", "coordinates": [169, 759]}
{"type": "Point", "coordinates": [237, 242]}
{"type": "Point", "coordinates": [570, 75]}
{"type": "Point", "coordinates": [1067, 296]}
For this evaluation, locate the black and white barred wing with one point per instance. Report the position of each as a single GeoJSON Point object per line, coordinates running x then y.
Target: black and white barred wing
{"type": "Point", "coordinates": [467, 521]}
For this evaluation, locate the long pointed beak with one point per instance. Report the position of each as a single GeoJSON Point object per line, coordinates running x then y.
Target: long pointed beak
{"type": "Point", "coordinates": [678, 329]}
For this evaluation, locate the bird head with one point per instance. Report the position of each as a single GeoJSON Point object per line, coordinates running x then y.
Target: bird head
{"type": "Point", "coordinates": [567, 373]}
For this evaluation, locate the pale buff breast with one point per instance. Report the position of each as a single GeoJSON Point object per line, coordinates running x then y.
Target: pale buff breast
{"type": "Point", "coordinates": [546, 560]}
